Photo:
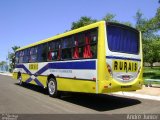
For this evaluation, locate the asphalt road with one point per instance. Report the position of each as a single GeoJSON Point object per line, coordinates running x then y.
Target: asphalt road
{"type": "Point", "coordinates": [29, 99]}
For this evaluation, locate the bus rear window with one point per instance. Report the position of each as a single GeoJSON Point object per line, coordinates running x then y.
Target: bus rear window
{"type": "Point", "coordinates": [121, 39]}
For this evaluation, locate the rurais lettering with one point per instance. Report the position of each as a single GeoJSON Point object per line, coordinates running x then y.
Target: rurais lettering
{"type": "Point", "coordinates": [125, 66]}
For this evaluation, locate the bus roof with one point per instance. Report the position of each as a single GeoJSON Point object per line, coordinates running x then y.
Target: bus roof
{"type": "Point", "coordinates": [81, 29]}
{"type": "Point", "coordinates": [63, 35]}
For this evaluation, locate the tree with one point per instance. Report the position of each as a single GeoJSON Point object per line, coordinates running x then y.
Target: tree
{"type": "Point", "coordinates": [11, 57]}
{"type": "Point", "coordinates": [3, 65]}
{"type": "Point", "coordinates": [140, 21]}
{"type": "Point", "coordinates": [127, 23]}
{"type": "Point", "coordinates": [110, 18]}
{"type": "Point", "coordinates": [150, 25]}
{"type": "Point", "coordinates": [83, 21]}
{"type": "Point", "coordinates": [151, 41]}
{"type": "Point", "coordinates": [151, 51]}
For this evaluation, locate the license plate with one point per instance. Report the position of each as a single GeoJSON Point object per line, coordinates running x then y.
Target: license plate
{"type": "Point", "coordinates": [126, 86]}
{"type": "Point", "coordinates": [124, 66]}
{"type": "Point", "coordinates": [126, 77]}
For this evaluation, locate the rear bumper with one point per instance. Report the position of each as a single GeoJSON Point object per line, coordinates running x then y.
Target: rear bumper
{"type": "Point", "coordinates": [109, 86]}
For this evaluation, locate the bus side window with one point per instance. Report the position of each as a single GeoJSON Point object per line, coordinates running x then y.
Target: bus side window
{"type": "Point", "coordinates": [85, 44]}
{"type": "Point", "coordinates": [21, 54]}
{"type": "Point", "coordinates": [94, 40]}
{"type": "Point", "coordinates": [87, 48]}
{"type": "Point", "coordinates": [33, 54]}
{"type": "Point", "coordinates": [44, 52]}
{"type": "Point", "coordinates": [54, 52]}
{"type": "Point", "coordinates": [79, 41]}
{"type": "Point", "coordinates": [26, 56]}
{"type": "Point", "coordinates": [75, 48]}
{"type": "Point", "coordinates": [57, 52]}
{"type": "Point", "coordinates": [67, 48]}
{"type": "Point", "coordinates": [50, 50]}
{"type": "Point", "coordinates": [90, 49]}
{"type": "Point", "coordinates": [17, 57]}
{"type": "Point", "coordinates": [39, 54]}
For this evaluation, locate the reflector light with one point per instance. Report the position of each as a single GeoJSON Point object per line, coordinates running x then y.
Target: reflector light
{"type": "Point", "coordinates": [139, 70]}
{"type": "Point", "coordinates": [109, 69]}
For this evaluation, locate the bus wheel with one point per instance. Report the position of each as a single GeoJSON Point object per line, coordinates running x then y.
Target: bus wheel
{"type": "Point", "coordinates": [20, 80]}
{"type": "Point", "coordinates": [52, 88]}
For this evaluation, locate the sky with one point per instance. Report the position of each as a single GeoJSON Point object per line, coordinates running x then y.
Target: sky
{"type": "Point", "coordinates": [23, 22]}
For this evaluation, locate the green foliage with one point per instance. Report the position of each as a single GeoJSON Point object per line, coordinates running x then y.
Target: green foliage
{"type": "Point", "coordinates": [127, 23]}
{"type": "Point", "coordinates": [140, 21]}
{"type": "Point", "coordinates": [151, 51]}
{"type": "Point", "coordinates": [2, 63]}
{"type": "Point", "coordinates": [151, 41]}
{"type": "Point", "coordinates": [3, 66]}
{"type": "Point", "coordinates": [82, 22]}
{"type": "Point", "coordinates": [150, 25]}
{"type": "Point", "coordinates": [151, 73]}
{"type": "Point", "coordinates": [154, 23]}
{"type": "Point", "coordinates": [11, 57]}
{"type": "Point", "coordinates": [110, 18]}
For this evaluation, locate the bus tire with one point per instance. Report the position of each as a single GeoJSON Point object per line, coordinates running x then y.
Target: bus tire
{"type": "Point", "coordinates": [20, 82]}
{"type": "Point", "coordinates": [52, 88]}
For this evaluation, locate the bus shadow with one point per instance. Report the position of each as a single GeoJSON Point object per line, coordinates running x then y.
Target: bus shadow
{"type": "Point", "coordinates": [101, 102]}
{"type": "Point", "coordinates": [34, 88]}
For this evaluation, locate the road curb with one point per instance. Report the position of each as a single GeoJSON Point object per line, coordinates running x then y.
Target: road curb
{"type": "Point", "coordinates": [143, 96]}
{"type": "Point", "coordinates": [6, 74]}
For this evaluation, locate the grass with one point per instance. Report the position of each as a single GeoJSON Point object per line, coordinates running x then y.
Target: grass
{"type": "Point", "coordinates": [152, 73]}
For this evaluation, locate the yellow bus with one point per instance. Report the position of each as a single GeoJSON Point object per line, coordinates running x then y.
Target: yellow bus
{"type": "Point", "coordinates": [102, 57]}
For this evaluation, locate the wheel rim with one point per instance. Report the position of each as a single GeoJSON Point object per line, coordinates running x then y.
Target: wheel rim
{"type": "Point", "coordinates": [51, 87]}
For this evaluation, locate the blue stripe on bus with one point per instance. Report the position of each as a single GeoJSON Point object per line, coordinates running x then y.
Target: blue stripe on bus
{"type": "Point", "coordinates": [63, 65]}
{"type": "Point", "coordinates": [43, 69]}
{"type": "Point", "coordinates": [69, 65]}
{"type": "Point", "coordinates": [74, 65]}
{"type": "Point", "coordinates": [38, 82]}
{"type": "Point", "coordinates": [25, 69]}
{"type": "Point", "coordinates": [29, 80]}
{"type": "Point", "coordinates": [122, 58]}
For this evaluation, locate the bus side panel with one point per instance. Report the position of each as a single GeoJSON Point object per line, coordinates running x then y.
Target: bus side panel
{"type": "Point", "coordinates": [43, 80]}
{"type": "Point", "coordinates": [73, 85]}
{"type": "Point", "coordinates": [103, 75]}
{"type": "Point", "coordinates": [15, 75]}
{"type": "Point", "coordinates": [141, 70]}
